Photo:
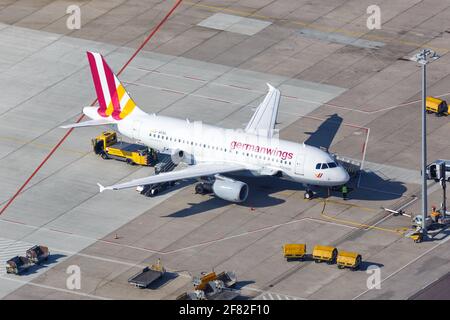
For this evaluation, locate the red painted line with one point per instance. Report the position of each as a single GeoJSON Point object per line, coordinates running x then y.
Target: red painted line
{"type": "Point", "coordinates": [146, 40]}
{"type": "Point", "coordinates": [239, 87]}
{"type": "Point", "coordinates": [61, 231]}
{"type": "Point", "coordinates": [213, 99]}
{"type": "Point", "coordinates": [160, 24]}
{"type": "Point", "coordinates": [173, 91]}
{"type": "Point", "coordinates": [194, 78]}
{"type": "Point", "coordinates": [14, 221]}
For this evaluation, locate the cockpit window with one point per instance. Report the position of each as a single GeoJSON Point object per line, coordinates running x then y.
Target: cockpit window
{"type": "Point", "coordinates": [318, 166]}
{"type": "Point", "coordinates": [332, 164]}
{"type": "Point", "coordinates": [324, 166]}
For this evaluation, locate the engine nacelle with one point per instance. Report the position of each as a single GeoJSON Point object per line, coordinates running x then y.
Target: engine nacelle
{"type": "Point", "coordinates": [229, 189]}
{"type": "Point", "coordinates": [177, 156]}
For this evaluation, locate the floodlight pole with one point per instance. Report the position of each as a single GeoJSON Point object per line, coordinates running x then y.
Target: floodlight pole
{"type": "Point", "coordinates": [422, 58]}
{"type": "Point", "coordinates": [424, 149]}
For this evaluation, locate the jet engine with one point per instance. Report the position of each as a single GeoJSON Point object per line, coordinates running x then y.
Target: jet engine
{"type": "Point", "coordinates": [177, 156]}
{"type": "Point", "coordinates": [224, 188]}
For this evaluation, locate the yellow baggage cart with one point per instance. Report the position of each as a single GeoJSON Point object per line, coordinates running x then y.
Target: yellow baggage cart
{"type": "Point", "coordinates": [437, 106]}
{"type": "Point", "coordinates": [325, 254]}
{"type": "Point", "coordinates": [294, 251]}
{"type": "Point", "coordinates": [350, 260]}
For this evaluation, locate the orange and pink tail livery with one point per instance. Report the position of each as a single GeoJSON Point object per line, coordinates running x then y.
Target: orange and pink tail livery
{"type": "Point", "coordinates": [112, 97]}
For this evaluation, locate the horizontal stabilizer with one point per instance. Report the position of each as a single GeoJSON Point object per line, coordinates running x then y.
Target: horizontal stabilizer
{"type": "Point", "coordinates": [89, 123]}
{"type": "Point", "coordinates": [102, 188]}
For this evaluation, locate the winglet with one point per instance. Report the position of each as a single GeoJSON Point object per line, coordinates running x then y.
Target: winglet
{"type": "Point", "coordinates": [102, 188]}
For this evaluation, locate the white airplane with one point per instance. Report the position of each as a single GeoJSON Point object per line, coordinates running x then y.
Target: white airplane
{"type": "Point", "coordinates": [210, 151]}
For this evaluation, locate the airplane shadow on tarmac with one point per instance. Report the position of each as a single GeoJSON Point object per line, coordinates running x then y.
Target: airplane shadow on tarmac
{"type": "Point", "coordinates": [372, 186]}
{"type": "Point", "coordinates": [261, 189]}
{"type": "Point", "coordinates": [258, 196]}
{"type": "Point", "coordinates": [325, 133]}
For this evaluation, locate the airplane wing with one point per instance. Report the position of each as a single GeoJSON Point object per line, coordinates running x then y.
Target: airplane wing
{"type": "Point", "coordinates": [199, 170]}
{"type": "Point", "coordinates": [264, 119]}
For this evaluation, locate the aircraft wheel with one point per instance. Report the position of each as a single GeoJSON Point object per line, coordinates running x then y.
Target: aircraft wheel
{"type": "Point", "coordinates": [199, 188]}
{"type": "Point", "coordinates": [308, 195]}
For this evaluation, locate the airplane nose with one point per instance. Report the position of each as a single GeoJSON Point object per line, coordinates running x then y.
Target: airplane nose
{"type": "Point", "coordinates": [343, 176]}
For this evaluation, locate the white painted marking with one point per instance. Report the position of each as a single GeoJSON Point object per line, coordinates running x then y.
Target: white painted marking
{"type": "Point", "coordinates": [54, 288]}
{"type": "Point", "coordinates": [236, 24]}
{"type": "Point", "coordinates": [406, 265]}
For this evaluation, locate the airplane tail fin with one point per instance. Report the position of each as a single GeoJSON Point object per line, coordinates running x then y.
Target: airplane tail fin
{"type": "Point", "coordinates": [114, 101]}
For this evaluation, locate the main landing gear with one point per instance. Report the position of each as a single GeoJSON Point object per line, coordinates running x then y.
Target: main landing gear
{"type": "Point", "coordinates": [203, 188]}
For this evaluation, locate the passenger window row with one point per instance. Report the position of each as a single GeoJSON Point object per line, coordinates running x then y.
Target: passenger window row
{"type": "Point", "coordinates": [161, 137]}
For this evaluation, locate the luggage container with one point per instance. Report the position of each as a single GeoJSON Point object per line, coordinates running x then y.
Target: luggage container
{"type": "Point", "coordinates": [214, 287]}
{"type": "Point", "coordinates": [325, 254]}
{"type": "Point", "coordinates": [347, 259]}
{"type": "Point", "coordinates": [192, 295]}
{"type": "Point", "coordinates": [37, 254]}
{"type": "Point", "coordinates": [437, 106]}
{"type": "Point", "coordinates": [294, 251]}
{"type": "Point", "coordinates": [201, 282]}
{"type": "Point", "coordinates": [228, 278]}
{"type": "Point", "coordinates": [18, 265]}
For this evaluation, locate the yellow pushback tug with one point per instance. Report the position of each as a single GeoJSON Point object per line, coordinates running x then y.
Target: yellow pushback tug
{"type": "Point", "coordinates": [107, 146]}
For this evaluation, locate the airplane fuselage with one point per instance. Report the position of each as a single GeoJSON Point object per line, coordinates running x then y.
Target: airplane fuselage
{"type": "Point", "coordinates": [201, 142]}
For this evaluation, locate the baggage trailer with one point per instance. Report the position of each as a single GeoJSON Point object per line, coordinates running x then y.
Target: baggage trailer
{"type": "Point", "coordinates": [350, 260]}
{"type": "Point", "coordinates": [37, 254]}
{"type": "Point", "coordinates": [294, 251]}
{"type": "Point", "coordinates": [107, 146]}
{"type": "Point", "coordinates": [216, 290]}
{"type": "Point", "coordinates": [212, 286]}
{"type": "Point", "coordinates": [325, 254]}
{"type": "Point", "coordinates": [437, 106]}
{"type": "Point", "coordinates": [228, 278]}
{"type": "Point", "coordinates": [192, 295]}
{"type": "Point", "coordinates": [147, 276]}
{"type": "Point", "coordinates": [18, 265]}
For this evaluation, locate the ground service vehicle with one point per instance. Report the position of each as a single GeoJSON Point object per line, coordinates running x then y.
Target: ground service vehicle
{"type": "Point", "coordinates": [18, 265]}
{"type": "Point", "coordinates": [192, 295]}
{"type": "Point", "coordinates": [37, 253]}
{"type": "Point", "coordinates": [107, 146]}
{"type": "Point", "coordinates": [212, 286]}
{"type": "Point", "coordinates": [294, 251]}
{"type": "Point", "coordinates": [347, 259]}
{"type": "Point", "coordinates": [417, 236]}
{"type": "Point", "coordinates": [325, 254]}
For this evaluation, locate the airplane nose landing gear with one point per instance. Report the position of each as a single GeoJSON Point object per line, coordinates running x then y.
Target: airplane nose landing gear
{"type": "Point", "coordinates": [309, 194]}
